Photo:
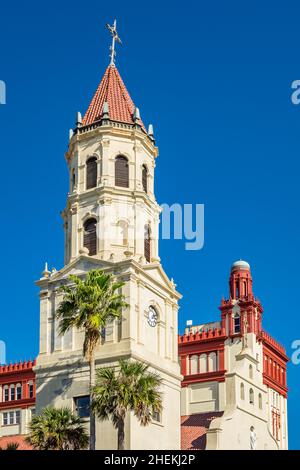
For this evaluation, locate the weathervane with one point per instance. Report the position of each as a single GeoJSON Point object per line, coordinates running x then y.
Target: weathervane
{"type": "Point", "coordinates": [113, 31]}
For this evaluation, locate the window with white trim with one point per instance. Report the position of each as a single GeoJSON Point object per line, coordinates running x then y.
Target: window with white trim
{"type": "Point", "coordinates": [237, 323]}
{"type": "Point", "coordinates": [19, 391]}
{"type": "Point", "coordinates": [156, 417]}
{"type": "Point", "coordinates": [10, 418]}
{"type": "Point", "coordinates": [6, 394]}
{"type": "Point", "coordinates": [30, 389]}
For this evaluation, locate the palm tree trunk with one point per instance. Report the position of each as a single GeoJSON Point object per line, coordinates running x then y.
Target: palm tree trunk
{"type": "Point", "coordinates": [121, 434]}
{"type": "Point", "coordinates": [92, 415]}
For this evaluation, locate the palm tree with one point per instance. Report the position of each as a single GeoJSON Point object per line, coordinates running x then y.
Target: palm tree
{"type": "Point", "coordinates": [11, 446]}
{"type": "Point", "coordinates": [57, 429]}
{"type": "Point", "coordinates": [132, 388]}
{"type": "Point", "coordinates": [90, 304]}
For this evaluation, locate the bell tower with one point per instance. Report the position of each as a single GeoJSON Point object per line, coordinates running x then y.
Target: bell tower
{"type": "Point", "coordinates": [242, 312]}
{"type": "Point", "coordinates": [111, 211]}
{"type": "Point", "coordinates": [111, 223]}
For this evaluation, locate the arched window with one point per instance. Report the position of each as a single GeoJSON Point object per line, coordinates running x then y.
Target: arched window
{"type": "Point", "coordinates": [12, 393]}
{"type": "Point", "coordinates": [30, 389]}
{"type": "Point", "coordinates": [145, 178]}
{"type": "Point", "coordinates": [251, 396]}
{"type": "Point", "coordinates": [90, 236]}
{"type": "Point", "coordinates": [212, 362]}
{"type": "Point", "coordinates": [6, 393]}
{"type": "Point", "coordinates": [237, 323]}
{"type": "Point", "coordinates": [203, 363]}
{"type": "Point", "coordinates": [250, 372]}
{"type": "Point", "coordinates": [91, 173]}
{"type": "Point", "coordinates": [19, 391]}
{"type": "Point", "coordinates": [121, 171]}
{"type": "Point", "coordinates": [194, 365]}
{"type": "Point", "coordinates": [260, 401]}
{"type": "Point", "coordinates": [147, 243]}
{"type": "Point", "coordinates": [242, 391]}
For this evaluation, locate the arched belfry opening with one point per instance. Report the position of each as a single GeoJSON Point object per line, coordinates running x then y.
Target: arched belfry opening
{"type": "Point", "coordinates": [91, 173]}
{"type": "Point", "coordinates": [147, 243]}
{"type": "Point", "coordinates": [121, 171]}
{"type": "Point", "coordinates": [90, 236]}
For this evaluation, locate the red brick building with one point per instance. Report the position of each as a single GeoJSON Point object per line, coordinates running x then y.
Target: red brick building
{"type": "Point", "coordinates": [17, 402]}
{"type": "Point", "coordinates": [234, 388]}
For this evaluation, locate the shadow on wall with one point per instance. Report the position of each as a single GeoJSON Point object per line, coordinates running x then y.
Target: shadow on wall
{"type": "Point", "coordinates": [60, 384]}
{"type": "Point", "coordinates": [194, 429]}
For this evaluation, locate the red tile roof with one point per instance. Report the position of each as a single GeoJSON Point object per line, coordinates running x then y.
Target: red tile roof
{"type": "Point", "coordinates": [112, 91]}
{"type": "Point", "coordinates": [194, 429]}
{"type": "Point", "coordinates": [4, 441]}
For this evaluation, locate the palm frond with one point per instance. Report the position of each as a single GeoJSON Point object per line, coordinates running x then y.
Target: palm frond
{"type": "Point", "coordinates": [57, 429]}
{"type": "Point", "coordinates": [132, 388]}
{"type": "Point", "coordinates": [89, 304]}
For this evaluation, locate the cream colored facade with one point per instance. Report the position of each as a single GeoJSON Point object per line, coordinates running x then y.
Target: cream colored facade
{"type": "Point", "coordinates": [61, 372]}
{"type": "Point", "coordinates": [121, 214]}
{"type": "Point", "coordinates": [244, 399]}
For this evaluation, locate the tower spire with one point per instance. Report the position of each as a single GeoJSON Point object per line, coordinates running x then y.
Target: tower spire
{"type": "Point", "coordinates": [115, 37]}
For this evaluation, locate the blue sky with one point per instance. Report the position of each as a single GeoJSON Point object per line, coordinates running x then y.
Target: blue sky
{"type": "Point", "coordinates": [215, 80]}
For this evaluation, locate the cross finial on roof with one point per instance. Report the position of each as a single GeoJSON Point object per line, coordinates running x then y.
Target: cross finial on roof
{"type": "Point", "coordinates": [113, 31]}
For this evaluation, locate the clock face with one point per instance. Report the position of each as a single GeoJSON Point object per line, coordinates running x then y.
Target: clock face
{"type": "Point", "coordinates": [152, 316]}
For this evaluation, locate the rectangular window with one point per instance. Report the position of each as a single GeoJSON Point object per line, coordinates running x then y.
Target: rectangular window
{"type": "Point", "coordinates": [5, 419]}
{"type": "Point", "coordinates": [237, 324]}
{"type": "Point", "coordinates": [30, 389]}
{"type": "Point", "coordinates": [157, 417]}
{"type": "Point", "coordinates": [17, 417]}
{"type": "Point", "coordinates": [12, 393]}
{"type": "Point", "coordinates": [11, 417]}
{"type": "Point", "coordinates": [82, 405]}
{"type": "Point", "coordinates": [6, 394]}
